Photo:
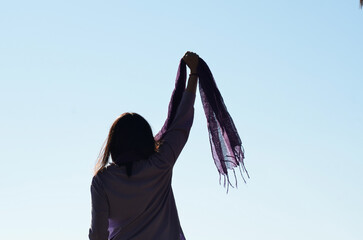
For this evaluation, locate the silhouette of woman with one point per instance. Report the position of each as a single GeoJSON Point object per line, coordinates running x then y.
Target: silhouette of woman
{"type": "Point", "coordinates": [132, 197]}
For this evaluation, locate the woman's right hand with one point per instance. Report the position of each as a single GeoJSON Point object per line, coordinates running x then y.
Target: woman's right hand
{"type": "Point", "coordinates": [191, 59]}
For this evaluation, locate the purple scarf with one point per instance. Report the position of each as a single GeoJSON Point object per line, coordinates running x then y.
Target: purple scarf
{"type": "Point", "coordinates": [225, 142]}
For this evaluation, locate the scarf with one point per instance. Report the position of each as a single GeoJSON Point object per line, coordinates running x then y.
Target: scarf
{"type": "Point", "coordinates": [226, 145]}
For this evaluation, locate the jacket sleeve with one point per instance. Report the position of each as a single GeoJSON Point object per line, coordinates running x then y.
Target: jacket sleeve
{"type": "Point", "coordinates": [100, 209]}
{"type": "Point", "coordinates": [177, 135]}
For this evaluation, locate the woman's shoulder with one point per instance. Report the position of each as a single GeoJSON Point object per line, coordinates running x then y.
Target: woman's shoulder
{"type": "Point", "coordinates": [103, 172]}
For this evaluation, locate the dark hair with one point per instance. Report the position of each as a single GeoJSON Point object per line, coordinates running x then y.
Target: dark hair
{"type": "Point", "coordinates": [130, 135]}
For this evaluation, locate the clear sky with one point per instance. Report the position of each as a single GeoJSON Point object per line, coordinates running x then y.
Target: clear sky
{"type": "Point", "coordinates": [291, 76]}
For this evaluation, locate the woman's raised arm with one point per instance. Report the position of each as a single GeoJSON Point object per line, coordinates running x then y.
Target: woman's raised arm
{"type": "Point", "coordinates": [192, 59]}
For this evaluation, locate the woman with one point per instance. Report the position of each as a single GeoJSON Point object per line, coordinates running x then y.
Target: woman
{"type": "Point", "coordinates": [132, 197]}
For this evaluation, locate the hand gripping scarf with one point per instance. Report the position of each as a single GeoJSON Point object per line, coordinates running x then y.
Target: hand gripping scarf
{"type": "Point", "coordinates": [225, 142]}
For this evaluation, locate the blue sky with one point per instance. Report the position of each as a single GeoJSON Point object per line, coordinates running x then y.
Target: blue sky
{"type": "Point", "coordinates": [290, 73]}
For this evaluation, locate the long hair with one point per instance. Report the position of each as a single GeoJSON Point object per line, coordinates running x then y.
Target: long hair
{"type": "Point", "coordinates": [129, 135]}
{"type": "Point", "coordinates": [361, 3]}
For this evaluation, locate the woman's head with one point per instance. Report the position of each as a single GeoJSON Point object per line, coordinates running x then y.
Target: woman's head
{"type": "Point", "coordinates": [130, 135]}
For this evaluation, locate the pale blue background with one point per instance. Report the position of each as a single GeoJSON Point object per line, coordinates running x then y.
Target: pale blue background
{"type": "Point", "coordinates": [290, 73]}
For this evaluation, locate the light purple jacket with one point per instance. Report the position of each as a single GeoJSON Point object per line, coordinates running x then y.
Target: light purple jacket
{"type": "Point", "coordinates": [142, 207]}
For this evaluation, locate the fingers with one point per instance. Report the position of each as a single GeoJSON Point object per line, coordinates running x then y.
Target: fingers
{"type": "Point", "coordinates": [190, 55]}
{"type": "Point", "coordinates": [191, 59]}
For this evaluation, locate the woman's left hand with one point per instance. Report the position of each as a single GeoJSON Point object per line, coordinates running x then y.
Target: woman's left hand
{"type": "Point", "coordinates": [191, 59]}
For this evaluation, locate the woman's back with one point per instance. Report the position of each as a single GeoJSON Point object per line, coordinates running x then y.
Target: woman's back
{"type": "Point", "coordinates": [142, 206]}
